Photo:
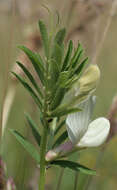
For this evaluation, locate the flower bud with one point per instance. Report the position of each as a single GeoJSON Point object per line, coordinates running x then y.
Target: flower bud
{"type": "Point", "coordinates": [59, 151]}
{"type": "Point", "coordinates": [89, 80]}
{"type": "Point", "coordinates": [51, 155]}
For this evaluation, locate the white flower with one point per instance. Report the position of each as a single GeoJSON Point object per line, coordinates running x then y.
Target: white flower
{"type": "Point", "coordinates": [81, 132]}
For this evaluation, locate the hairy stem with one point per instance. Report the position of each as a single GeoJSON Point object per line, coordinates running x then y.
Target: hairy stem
{"type": "Point", "coordinates": [42, 159]}
{"type": "Point", "coordinates": [43, 146]}
{"type": "Point", "coordinates": [44, 135]}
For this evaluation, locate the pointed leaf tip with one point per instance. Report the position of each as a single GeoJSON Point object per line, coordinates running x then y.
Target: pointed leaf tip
{"type": "Point", "coordinates": [27, 145]}
{"type": "Point", "coordinates": [34, 129]}
{"type": "Point", "coordinates": [44, 35]}
{"type": "Point", "coordinates": [74, 166]}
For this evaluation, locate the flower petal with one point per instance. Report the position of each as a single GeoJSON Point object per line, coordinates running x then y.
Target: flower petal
{"type": "Point", "coordinates": [77, 123]}
{"type": "Point", "coordinates": [90, 79]}
{"type": "Point", "coordinates": [96, 134]}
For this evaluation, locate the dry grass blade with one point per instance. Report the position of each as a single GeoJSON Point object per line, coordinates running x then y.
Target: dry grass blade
{"type": "Point", "coordinates": [8, 62]}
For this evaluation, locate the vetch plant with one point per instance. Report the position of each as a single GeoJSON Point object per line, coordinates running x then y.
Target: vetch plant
{"type": "Point", "coordinates": [61, 73]}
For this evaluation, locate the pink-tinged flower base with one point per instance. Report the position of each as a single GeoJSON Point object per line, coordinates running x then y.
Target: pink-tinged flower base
{"type": "Point", "coordinates": [59, 151]}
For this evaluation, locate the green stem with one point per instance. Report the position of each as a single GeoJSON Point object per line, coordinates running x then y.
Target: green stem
{"type": "Point", "coordinates": [44, 137]}
{"type": "Point", "coordinates": [60, 179]}
{"type": "Point", "coordinates": [92, 180]}
{"type": "Point", "coordinates": [42, 159]}
{"type": "Point", "coordinates": [76, 181]}
{"type": "Point", "coordinates": [43, 148]}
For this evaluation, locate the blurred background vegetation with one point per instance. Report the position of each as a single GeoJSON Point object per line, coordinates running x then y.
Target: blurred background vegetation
{"type": "Point", "coordinates": [86, 21]}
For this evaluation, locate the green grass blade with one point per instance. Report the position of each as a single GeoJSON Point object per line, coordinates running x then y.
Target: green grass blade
{"type": "Point", "coordinates": [59, 95]}
{"type": "Point", "coordinates": [45, 38]}
{"type": "Point", "coordinates": [63, 78]}
{"type": "Point", "coordinates": [59, 90]}
{"type": "Point", "coordinates": [60, 139]}
{"type": "Point", "coordinates": [57, 54]}
{"type": "Point", "coordinates": [68, 56]}
{"type": "Point", "coordinates": [27, 145]}
{"type": "Point", "coordinates": [36, 62]}
{"type": "Point", "coordinates": [64, 111]}
{"type": "Point", "coordinates": [34, 129]}
{"type": "Point", "coordinates": [79, 70]}
{"type": "Point", "coordinates": [73, 166]}
{"type": "Point", "coordinates": [59, 38]}
{"type": "Point", "coordinates": [79, 48]}
{"type": "Point", "coordinates": [59, 127]}
{"type": "Point", "coordinates": [77, 59]}
{"type": "Point", "coordinates": [29, 89]}
{"type": "Point", "coordinates": [54, 73]}
{"type": "Point", "coordinates": [30, 77]}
